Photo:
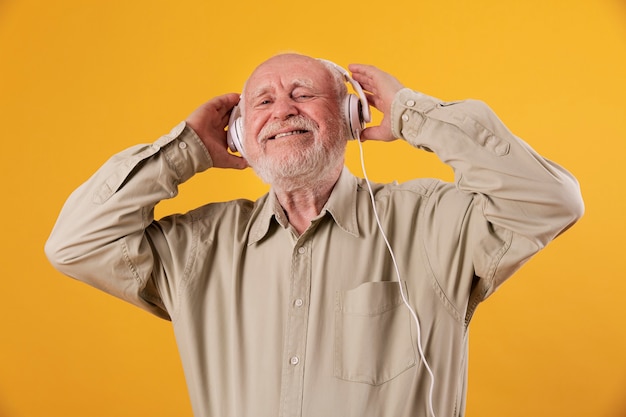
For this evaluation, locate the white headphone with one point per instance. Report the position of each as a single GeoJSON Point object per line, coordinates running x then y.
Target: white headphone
{"type": "Point", "coordinates": [356, 111]}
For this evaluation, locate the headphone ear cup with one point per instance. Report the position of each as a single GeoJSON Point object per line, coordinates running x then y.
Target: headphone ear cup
{"type": "Point", "coordinates": [234, 134]}
{"type": "Point", "coordinates": [353, 115]}
{"type": "Point", "coordinates": [238, 135]}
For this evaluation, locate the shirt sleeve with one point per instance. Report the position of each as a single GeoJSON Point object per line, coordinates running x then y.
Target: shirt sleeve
{"type": "Point", "coordinates": [100, 235]}
{"type": "Point", "coordinates": [523, 200]}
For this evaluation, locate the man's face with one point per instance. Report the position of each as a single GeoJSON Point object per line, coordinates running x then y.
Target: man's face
{"type": "Point", "coordinates": [293, 125]}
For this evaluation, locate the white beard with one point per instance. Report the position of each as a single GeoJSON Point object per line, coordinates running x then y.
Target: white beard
{"type": "Point", "coordinates": [305, 166]}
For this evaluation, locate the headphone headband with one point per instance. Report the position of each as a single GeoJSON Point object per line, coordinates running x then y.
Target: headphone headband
{"type": "Point", "coordinates": [365, 109]}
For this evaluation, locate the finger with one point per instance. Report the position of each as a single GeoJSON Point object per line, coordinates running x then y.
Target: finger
{"type": "Point", "coordinates": [373, 99]}
{"type": "Point", "coordinates": [381, 133]}
{"type": "Point", "coordinates": [363, 69]}
{"type": "Point", "coordinates": [226, 102]}
{"type": "Point", "coordinates": [223, 106]}
{"type": "Point", "coordinates": [369, 133]}
{"type": "Point", "coordinates": [363, 74]}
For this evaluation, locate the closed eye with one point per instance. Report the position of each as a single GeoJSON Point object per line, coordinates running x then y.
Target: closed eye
{"type": "Point", "coordinates": [303, 97]}
{"type": "Point", "coordinates": [302, 93]}
{"type": "Point", "coordinates": [263, 101]}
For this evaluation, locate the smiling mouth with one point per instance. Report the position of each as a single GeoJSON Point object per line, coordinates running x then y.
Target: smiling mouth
{"type": "Point", "coordinates": [293, 132]}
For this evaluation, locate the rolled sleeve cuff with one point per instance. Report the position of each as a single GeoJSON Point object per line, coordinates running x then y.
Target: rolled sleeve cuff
{"type": "Point", "coordinates": [184, 151]}
{"type": "Point", "coordinates": [406, 106]}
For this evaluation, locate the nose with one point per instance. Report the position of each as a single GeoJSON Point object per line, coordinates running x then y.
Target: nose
{"type": "Point", "coordinates": [284, 108]}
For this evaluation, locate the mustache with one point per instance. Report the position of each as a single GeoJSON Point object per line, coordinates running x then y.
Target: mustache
{"type": "Point", "coordinates": [297, 122]}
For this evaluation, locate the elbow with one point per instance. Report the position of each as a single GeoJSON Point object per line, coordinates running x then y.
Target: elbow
{"type": "Point", "coordinates": [572, 205]}
{"type": "Point", "coordinates": [578, 208]}
{"type": "Point", "coordinates": [53, 253]}
{"type": "Point", "coordinates": [57, 255]}
{"type": "Point", "coordinates": [560, 207]}
{"type": "Point", "coordinates": [575, 200]}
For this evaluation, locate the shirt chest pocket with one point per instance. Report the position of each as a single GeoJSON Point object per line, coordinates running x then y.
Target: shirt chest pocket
{"type": "Point", "coordinates": [373, 340]}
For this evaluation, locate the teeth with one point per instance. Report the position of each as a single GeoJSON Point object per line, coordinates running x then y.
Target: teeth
{"type": "Point", "coordinates": [294, 132]}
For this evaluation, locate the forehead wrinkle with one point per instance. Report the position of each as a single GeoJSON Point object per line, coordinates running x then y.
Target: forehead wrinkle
{"type": "Point", "coordinates": [259, 92]}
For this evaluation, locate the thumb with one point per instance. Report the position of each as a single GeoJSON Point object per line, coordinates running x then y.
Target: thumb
{"type": "Point", "coordinates": [230, 160]}
{"type": "Point", "coordinates": [377, 133]}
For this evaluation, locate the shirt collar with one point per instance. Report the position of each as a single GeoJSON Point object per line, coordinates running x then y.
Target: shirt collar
{"type": "Point", "coordinates": [341, 205]}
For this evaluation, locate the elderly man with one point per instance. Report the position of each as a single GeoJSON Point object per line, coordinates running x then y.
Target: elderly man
{"type": "Point", "coordinates": [292, 305]}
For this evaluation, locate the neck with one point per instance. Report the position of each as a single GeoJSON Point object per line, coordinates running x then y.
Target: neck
{"type": "Point", "coordinates": [303, 203]}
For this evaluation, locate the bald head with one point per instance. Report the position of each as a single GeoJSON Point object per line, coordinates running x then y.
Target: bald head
{"type": "Point", "coordinates": [287, 61]}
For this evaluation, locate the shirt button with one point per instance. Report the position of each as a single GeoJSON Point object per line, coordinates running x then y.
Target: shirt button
{"type": "Point", "coordinates": [182, 145]}
{"type": "Point", "coordinates": [294, 360]}
{"type": "Point", "coordinates": [410, 103]}
{"type": "Point", "coordinates": [299, 302]}
{"type": "Point", "coordinates": [301, 250]}
{"type": "Point", "coordinates": [405, 117]}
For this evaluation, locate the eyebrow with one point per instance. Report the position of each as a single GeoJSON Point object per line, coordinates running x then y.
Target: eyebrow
{"type": "Point", "coordinates": [298, 82]}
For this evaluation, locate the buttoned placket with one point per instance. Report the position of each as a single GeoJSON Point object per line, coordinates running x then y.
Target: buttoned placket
{"type": "Point", "coordinates": [292, 384]}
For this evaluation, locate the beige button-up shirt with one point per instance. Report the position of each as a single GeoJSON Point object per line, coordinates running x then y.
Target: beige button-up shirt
{"type": "Point", "coordinates": [271, 324]}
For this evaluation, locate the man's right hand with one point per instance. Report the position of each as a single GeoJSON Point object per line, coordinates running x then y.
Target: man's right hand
{"type": "Point", "coordinates": [209, 121]}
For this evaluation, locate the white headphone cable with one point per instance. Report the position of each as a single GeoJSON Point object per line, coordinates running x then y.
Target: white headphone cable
{"type": "Point", "coordinates": [404, 298]}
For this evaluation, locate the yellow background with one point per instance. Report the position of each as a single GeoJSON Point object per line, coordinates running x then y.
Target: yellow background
{"type": "Point", "coordinates": [81, 80]}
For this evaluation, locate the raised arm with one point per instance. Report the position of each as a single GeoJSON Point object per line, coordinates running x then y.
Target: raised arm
{"type": "Point", "coordinates": [100, 236]}
{"type": "Point", "coordinates": [526, 199]}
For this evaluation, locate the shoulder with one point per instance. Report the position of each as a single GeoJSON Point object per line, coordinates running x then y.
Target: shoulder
{"type": "Point", "coordinates": [417, 188]}
{"type": "Point", "coordinates": [431, 197]}
{"type": "Point", "coordinates": [212, 218]}
{"type": "Point", "coordinates": [227, 209]}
